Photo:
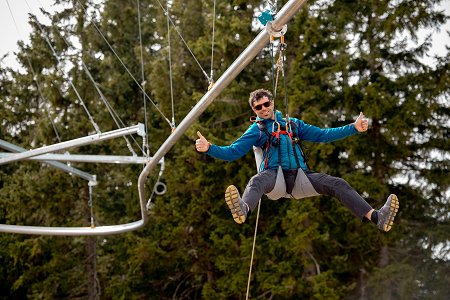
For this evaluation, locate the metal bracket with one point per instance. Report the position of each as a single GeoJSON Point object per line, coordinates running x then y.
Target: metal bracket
{"type": "Point", "coordinates": [141, 130]}
{"type": "Point", "coordinates": [275, 33]}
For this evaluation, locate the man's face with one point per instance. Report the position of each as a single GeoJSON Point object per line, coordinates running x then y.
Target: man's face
{"type": "Point", "coordinates": [263, 108]}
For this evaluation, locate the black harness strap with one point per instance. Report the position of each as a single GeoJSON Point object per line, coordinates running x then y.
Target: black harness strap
{"type": "Point", "coordinates": [291, 132]}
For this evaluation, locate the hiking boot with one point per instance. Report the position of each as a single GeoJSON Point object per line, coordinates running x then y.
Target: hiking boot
{"type": "Point", "coordinates": [237, 207]}
{"type": "Point", "coordinates": [387, 213]}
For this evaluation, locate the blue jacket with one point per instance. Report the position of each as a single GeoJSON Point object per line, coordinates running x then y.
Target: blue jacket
{"type": "Point", "coordinates": [255, 137]}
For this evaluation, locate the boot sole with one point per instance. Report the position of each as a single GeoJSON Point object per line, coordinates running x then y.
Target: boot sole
{"type": "Point", "coordinates": [393, 209]}
{"type": "Point", "coordinates": [232, 200]}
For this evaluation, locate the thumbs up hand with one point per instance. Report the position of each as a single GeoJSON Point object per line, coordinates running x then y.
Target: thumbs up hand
{"type": "Point", "coordinates": [202, 144]}
{"type": "Point", "coordinates": [361, 123]}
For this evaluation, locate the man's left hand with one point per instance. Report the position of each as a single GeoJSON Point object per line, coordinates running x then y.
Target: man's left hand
{"type": "Point", "coordinates": [361, 123]}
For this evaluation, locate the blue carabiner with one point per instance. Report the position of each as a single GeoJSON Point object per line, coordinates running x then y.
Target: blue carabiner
{"type": "Point", "coordinates": [266, 16]}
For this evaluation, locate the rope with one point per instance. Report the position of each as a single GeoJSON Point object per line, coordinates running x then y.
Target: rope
{"type": "Point", "coordinates": [274, 85]}
{"type": "Point", "coordinates": [282, 48]}
{"type": "Point", "coordinates": [253, 251]}
{"type": "Point", "coordinates": [125, 67]}
{"type": "Point", "coordinates": [145, 146]}
{"type": "Point", "coordinates": [170, 64]}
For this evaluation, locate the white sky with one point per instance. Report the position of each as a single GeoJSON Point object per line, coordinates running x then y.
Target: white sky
{"type": "Point", "coordinates": [21, 8]}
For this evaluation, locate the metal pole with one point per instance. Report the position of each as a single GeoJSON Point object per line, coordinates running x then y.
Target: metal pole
{"type": "Point", "coordinates": [72, 231]}
{"type": "Point", "coordinates": [13, 148]}
{"type": "Point", "coordinates": [106, 159]}
{"type": "Point", "coordinates": [76, 142]}
{"type": "Point", "coordinates": [285, 14]}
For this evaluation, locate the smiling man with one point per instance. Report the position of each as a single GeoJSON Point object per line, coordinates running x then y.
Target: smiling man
{"type": "Point", "coordinates": [279, 140]}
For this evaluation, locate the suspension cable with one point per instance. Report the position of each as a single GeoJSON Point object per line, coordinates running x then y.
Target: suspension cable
{"type": "Point", "coordinates": [90, 204]}
{"type": "Point", "coordinates": [182, 39]}
{"type": "Point", "coordinates": [109, 107]}
{"type": "Point", "coordinates": [97, 129]}
{"type": "Point", "coordinates": [211, 78]}
{"type": "Point", "coordinates": [111, 110]}
{"type": "Point", "coordinates": [145, 146]}
{"type": "Point", "coordinates": [125, 67]}
{"type": "Point", "coordinates": [170, 64]}
{"type": "Point", "coordinates": [35, 78]}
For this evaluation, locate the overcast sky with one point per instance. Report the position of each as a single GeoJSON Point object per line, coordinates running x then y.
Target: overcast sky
{"type": "Point", "coordinates": [10, 34]}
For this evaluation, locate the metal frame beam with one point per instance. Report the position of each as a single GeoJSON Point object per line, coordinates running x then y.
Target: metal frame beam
{"type": "Point", "coordinates": [76, 142]}
{"type": "Point", "coordinates": [60, 166]}
{"type": "Point", "coordinates": [106, 159]}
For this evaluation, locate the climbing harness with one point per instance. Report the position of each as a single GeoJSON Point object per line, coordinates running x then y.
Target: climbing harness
{"type": "Point", "coordinates": [302, 187]}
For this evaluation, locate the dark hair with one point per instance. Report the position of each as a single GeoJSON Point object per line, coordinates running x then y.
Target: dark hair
{"type": "Point", "coordinates": [258, 94]}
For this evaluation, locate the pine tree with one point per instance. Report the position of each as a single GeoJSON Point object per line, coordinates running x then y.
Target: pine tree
{"type": "Point", "coordinates": [342, 57]}
{"type": "Point", "coordinates": [358, 62]}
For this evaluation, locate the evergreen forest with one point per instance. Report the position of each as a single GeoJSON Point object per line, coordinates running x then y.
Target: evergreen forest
{"type": "Point", "coordinates": [84, 71]}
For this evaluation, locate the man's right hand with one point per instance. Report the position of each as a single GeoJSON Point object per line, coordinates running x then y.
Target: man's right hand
{"type": "Point", "coordinates": [202, 144]}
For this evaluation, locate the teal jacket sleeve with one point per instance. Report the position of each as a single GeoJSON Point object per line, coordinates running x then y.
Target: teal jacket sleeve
{"type": "Point", "coordinates": [312, 133]}
{"type": "Point", "coordinates": [240, 146]}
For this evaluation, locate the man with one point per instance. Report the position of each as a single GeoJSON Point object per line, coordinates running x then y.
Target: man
{"type": "Point", "coordinates": [282, 150]}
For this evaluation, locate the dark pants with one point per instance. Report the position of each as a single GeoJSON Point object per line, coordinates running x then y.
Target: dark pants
{"type": "Point", "coordinates": [324, 184]}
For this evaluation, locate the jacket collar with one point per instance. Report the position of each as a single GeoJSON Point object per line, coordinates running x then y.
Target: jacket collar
{"type": "Point", "coordinates": [278, 117]}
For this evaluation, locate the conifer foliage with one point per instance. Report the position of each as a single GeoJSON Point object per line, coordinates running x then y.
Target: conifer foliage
{"type": "Point", "coordinates": [342, 57]}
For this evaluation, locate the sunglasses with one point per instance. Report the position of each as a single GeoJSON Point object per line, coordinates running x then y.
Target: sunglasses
{"type": "Point", "coordinates": [260, 106]}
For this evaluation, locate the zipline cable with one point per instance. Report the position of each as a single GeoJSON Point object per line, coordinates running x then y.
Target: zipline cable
{"type": "Point", "coordinates": [125, 67]}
